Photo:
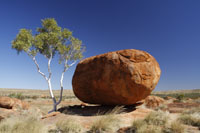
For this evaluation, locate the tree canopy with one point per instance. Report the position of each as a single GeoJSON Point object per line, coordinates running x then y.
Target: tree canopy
{"type": "Point", "coordinates": [49, 40]}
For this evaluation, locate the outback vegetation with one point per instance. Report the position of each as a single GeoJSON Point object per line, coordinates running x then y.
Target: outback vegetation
{"type": "Point", "coordinates": [179, 94]}
{"type": "Point", "coordinates": [50, 41]}
{"type": "Point", "coordinates": [171, 119]}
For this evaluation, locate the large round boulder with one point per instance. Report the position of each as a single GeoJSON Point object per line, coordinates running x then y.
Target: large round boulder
{"type": "Point", "coordinates": [116, 78]}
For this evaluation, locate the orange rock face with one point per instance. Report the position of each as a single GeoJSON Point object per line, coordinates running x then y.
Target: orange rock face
{"type": "Point", "coordinates": [116, 78]}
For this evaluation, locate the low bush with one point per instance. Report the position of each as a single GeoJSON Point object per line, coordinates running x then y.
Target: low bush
{"type": "Point", "coordinates": [191, 117]}
{"type": "Point", "coordinates": [22, 124]}
{"type": "Point", "coordinates": [140, 126]}
{"type": "Point", "coordinates": [180, 96]}
{"type": "Point", "coordinates": [158, 118]}
{"type": "Point", "coordinates": [67, 126]}
{"type": "Point", "coordinates": [17, 95]}
{"type": "Point", "coordinates": [107, 123]}
{"type": "Point", "coordinates": [174, 127]}
{"type": "Point", "coordinates": [156, 122]}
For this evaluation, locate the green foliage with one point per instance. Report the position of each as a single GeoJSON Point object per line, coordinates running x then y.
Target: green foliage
{"type": "Point", "coordinates": [23, 41]}
{"type": "Point", "coordinates": [17, 95]}
{"type": "Point", "coordinates": [180, 97]}
{"type": "Point", "coordinates": [180, 94]}
{"type": "Point", "coordinates": [49, 40]}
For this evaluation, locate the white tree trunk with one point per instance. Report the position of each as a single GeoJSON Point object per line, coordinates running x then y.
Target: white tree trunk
{"type": "Point", "coordinates": [49, 78]}
{"type": "Point", "coordinates": [45, 77]}
{"type": "Point", "coordinates": [65, 69]}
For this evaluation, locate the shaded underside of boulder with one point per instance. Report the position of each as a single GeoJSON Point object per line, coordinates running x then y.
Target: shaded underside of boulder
{"type": "Point", "coordinates": [116, 78]}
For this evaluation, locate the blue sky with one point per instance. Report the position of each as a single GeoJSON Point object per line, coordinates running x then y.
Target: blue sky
{"type": "Point", "coordinates": [167, 29]}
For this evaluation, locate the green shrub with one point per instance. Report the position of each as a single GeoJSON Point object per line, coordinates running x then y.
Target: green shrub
{"type": "Point", "coordinates": [180, 97]}
{"type": "Point", "coordinates": [192, 95]}
{"type": "Point", "coordinates": [16, 95]}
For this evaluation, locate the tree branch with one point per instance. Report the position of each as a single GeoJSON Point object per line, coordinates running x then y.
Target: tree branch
{"type": "Point", "coordinates": [72, 64]}
{"type": "Point", "coordinates": [62, 75]}
{"type": "Point", "coordinates": [38, 68]}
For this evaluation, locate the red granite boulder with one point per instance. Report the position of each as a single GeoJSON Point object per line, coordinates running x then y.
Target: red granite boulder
{"type": "Point", "coordinates": [116, 78]}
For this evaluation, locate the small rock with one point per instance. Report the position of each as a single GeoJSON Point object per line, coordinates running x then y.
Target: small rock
{"type": "Point", "coordinates": [153, 101]}
{"type": "Point", "coordinates": [12, 103]}
{"type": "Point", "coordinates": [125, 130]}
{"type": "Point", "coordinates": [50, 115]}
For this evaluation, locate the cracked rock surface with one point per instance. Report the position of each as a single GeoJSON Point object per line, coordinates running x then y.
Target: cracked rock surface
{"type": "Point", "coordinates": [116, 78]}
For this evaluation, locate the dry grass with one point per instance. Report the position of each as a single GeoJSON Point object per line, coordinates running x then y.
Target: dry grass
{"type": "Point", "coordinates": [34, 94]}
{"type": "Point", "coordinates": [174, 127]}
{"type": "Point", "coordinates": [191, 117]}
{"type": "Point", "coordinates": [27, 122]}
{"type": "Point", "coordinates": [140, 126]}
{"type": "Point", "coordinates": [156, 122]}
{"type": "Point", "coordinates": [158, 118]}
{"type": "Point", "coordinates": [108, 123]}
{"type": "Point", "coordinates": [68, 126]}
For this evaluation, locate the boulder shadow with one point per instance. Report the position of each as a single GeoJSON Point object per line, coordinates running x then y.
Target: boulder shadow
{"type": "Point", "coordinates": [94, 110]}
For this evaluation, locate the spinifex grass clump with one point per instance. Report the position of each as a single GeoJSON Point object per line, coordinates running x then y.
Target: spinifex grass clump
{"type": "Point", "coordinates": [107, 123]}
{"type": "Point", "coordinates": [68, 126]}
{"type": "Point", "coordinates": [24, 123]}
{"type": "Point", "coordinates": [156, 122]}
{"type": "Point", "coordinates": [158, 118]}
{"type": "Point", "coordinates": [191, 117]}
{"type": "Point", "coordinates": [174, 127]}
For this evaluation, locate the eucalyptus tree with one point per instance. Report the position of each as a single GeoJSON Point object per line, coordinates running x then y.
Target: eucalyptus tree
{"type": "Point", "coordinates": [50, 41]}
